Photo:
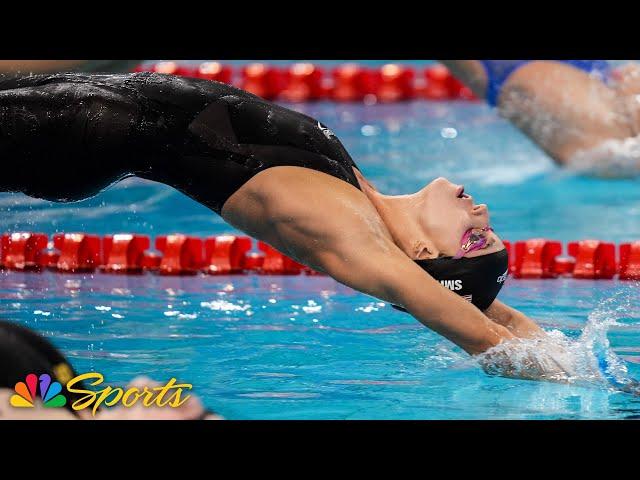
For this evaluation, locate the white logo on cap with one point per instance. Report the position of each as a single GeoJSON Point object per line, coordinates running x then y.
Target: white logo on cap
{"type": "Point", "coordinates": [327, 132]}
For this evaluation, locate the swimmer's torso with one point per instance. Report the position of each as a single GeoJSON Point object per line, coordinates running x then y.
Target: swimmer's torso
{"type": "Point", "coordinates": [67, 136]}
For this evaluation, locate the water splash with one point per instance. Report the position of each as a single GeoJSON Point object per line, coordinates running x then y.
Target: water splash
{"type": "Point", "coordinates": [612, 158]}
{"type": "Point", "coordinates": [587, 360]}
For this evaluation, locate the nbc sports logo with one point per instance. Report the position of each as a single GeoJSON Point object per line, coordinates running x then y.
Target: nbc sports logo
{"type": "Point", "coordinates": [49, 392]}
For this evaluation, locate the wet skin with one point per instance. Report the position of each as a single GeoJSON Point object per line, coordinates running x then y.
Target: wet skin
{"type": "Point", "coordinates": [333, 227]}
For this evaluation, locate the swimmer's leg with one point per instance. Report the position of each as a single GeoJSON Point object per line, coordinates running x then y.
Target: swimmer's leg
{"type": "Point", "coordinates": [562, 108]}
{"type": "Point", "coordinates": [60, 140]}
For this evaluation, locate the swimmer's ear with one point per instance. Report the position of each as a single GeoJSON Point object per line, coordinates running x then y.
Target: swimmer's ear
{"type": "Point", "coordinates": [421, 251]}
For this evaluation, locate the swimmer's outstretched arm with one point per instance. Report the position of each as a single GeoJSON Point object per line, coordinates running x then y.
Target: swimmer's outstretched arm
{"type": "Point", "coordinates": [396, 279]}
{"type": "Point", "coordinates": [561, 108]}
{"type": "Point", "coordinates": [338, 231]}
{"type": "Point", "coordinates": [542, 359]}
{"type": "Point", "coordinates": [388, 274]}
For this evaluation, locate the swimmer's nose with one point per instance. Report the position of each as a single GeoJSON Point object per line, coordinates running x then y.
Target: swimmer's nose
{"type": "Point", "coordinates": [441, 181]}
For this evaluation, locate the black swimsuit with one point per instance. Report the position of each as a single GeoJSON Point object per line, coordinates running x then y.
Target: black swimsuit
{"type": "Point", "coordinates": [65, 137]}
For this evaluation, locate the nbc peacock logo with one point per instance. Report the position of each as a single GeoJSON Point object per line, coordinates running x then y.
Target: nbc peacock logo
{"type": "Point", "coordinates": [26, 392]}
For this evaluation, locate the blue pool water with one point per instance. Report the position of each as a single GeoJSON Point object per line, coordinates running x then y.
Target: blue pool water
{"type": "Point", "coordinates": [308, 348]}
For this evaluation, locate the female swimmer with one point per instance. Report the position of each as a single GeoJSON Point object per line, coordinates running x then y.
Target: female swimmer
{"type": "Point", "coordinates": [278, 175]}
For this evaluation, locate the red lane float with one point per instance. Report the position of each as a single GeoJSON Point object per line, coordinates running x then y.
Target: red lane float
{"type": "Point", "coordinates": [276, 263]}
{"type": "Point", "coordinates": [263, 80]}
{"type": "Point", "coordinates": [214, 71]}
{"type": "Point", "coordinates": [253, 262]}
{"type": "Point", "coordinates": [79, 252]}
{"type": "Point", "coordinates": [123, 253]}
{"type": "Point", "coordinates": [304, 83]}
{"type": "Point", "coordinates": [535, 258]}
{"type": "Point", "coordinates": [174, 68]}
{"type": "Point", "coordinates": [48, 259]}
{"type": "Point", "coordinates": [352, 83]}
{"type": "Point", "coordinates": [594, 259]}
{"type": "Point", "coordinates": [437, 83]}
{"type": "Point", "coordinates": [229, 254]}
{"type": "Point", "coordinates": [225, 254]}
{"type": "Point", "coordinates": [563, 266]}
{"type": "Point", "coordinates": [182, 254]}
{"type": "Point", "coordinates": [20, 251]}
{"type": "Point", "coordinates": [630, 261]}
{"type": "Point", "coordinates": [396, 84]}
{"type": "Point", "coordinates": [150, 261]}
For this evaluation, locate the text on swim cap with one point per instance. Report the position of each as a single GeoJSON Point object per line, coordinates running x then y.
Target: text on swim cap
{"type": "Point", "coordinates": [452, 284]}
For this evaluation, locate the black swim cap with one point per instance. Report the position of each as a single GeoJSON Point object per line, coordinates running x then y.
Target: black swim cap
{"type": "Point", "coordinates": [23, 351]}
{"type": "Point", "coordinates": [477, 279]}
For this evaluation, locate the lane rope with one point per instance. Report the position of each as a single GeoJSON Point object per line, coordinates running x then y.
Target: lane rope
{"type": "Point", "coordinates": [179, 254]}
{"type": "Point", "coordinates": [350, 82]}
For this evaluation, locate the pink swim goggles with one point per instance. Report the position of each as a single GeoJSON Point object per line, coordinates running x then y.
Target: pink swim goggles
{"type": "Point", "coordinates": [473, 239]}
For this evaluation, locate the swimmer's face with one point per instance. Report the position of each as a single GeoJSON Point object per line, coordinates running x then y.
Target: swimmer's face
{"type": "Point", "coordinates": [447, 212]}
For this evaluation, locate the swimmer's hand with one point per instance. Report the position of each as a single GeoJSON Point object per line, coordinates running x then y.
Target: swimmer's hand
{"type": "Point", "coordinates": [192, 409]}
{"type": "Point", "coordinates": [529, 359]}
{"type": "Point", "coordinates": [532, 355]}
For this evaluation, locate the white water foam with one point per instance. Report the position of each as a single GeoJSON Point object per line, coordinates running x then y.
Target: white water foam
{"type": "Point", "coordinates": [587, 360]}
{"type": "Point", "coordinates": [612, 158]}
